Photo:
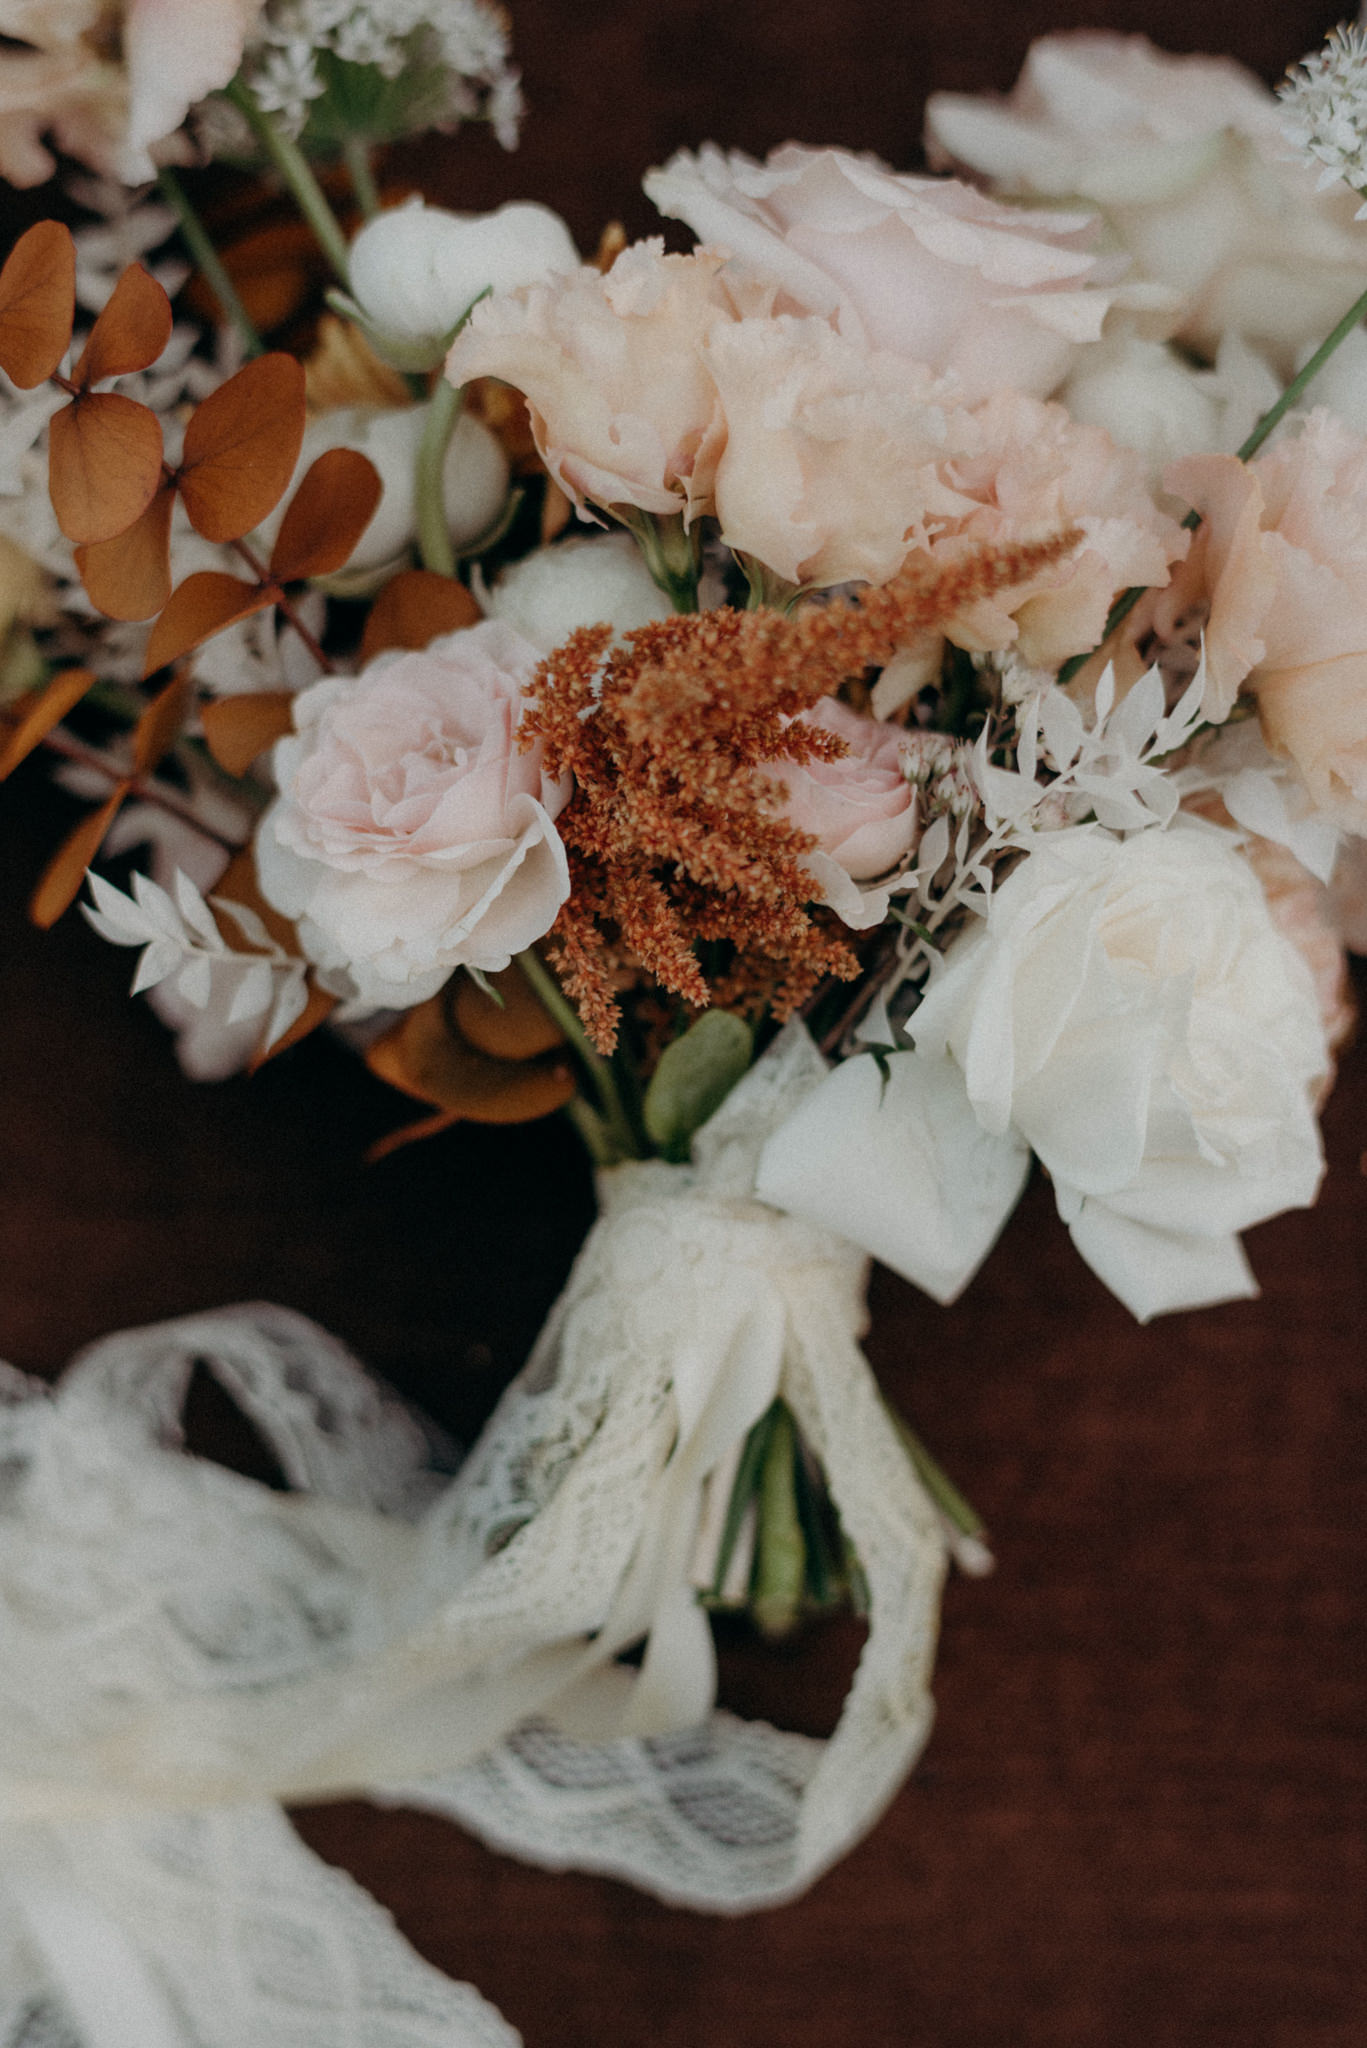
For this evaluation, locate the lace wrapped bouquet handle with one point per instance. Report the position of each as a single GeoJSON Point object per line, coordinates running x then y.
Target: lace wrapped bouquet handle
{"type": "Point", "coordinates": [184, 1645]}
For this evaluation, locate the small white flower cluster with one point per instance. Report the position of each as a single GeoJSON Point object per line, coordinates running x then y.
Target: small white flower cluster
{"type": "Point", "coordinates": [1324, 110]}
{"type": "Point", "coordinates": [462, 43]}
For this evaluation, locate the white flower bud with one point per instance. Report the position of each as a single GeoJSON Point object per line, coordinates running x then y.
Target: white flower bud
{"type": "Point", "coordinates": [582, 581]}
{"type": "Point", "coordinates": [417, 269]}
{"type": "Point", "coordinates": [475, 476]}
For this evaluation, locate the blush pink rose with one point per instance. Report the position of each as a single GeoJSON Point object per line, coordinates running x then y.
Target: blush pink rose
{"type": "Point", "coordinates": [927, 268]}
{"type": "Point", "coordinates": [860, 809]}
{"type": "Point", "coordinates": [622, 407]}
{"type": "Point", "coordinates": [1281, 561]}
{"type": "Point", "coordinates": [411, 835]}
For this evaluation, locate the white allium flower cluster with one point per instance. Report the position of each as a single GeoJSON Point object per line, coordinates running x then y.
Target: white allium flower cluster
{"type": "Point", "coordinates": [460, 47]}
{"type": "Point", "coordinates": [1324, 110]}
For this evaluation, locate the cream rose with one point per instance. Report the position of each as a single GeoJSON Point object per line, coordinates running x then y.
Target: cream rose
{"type": "Point", "coordinates": [860, 809]}
{"type": "Point", "coordinates": [1131, 1012]}
{"type": "Point", "coordinates": [1185, 158]}
{"type": "Point", "coordinates": [417, 269]}
{"type": "Point", "coordinates": [411, 835]}
{"type": "Point", "coordinates": [927, 268]}
{"type": "Point", "coordinates": [622, 407]}
{"type": "Point", "coordinates": [833, 460]}
{"type": "Point", "coordinates": [112, 115]}
{"type": "Point", "coordinates": [1281, 560]}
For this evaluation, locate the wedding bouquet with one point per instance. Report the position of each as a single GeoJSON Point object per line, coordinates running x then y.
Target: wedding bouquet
{"type": "Point", "coordinates": [841, 713]}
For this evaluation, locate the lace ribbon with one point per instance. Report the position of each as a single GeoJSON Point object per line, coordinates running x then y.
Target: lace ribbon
{"type": "Point", "coordinates": [180, 1646]}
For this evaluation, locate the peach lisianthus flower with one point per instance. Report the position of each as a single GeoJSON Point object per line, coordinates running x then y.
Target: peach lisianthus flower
{"type": "Point", "coordinates": [1281, 560]}
{"type": "Point", "coordinates": [1037, 471]}
{"type": "Point", "coordinates": [1302, 911]}
{"type": "Point", "coordinates": [833, 458]}
{"type": "Point", "coordinates": [622, 407]}
{"type": "Point", "coordinates": [926, 268]}
{"type": "Point", "coordinates": [110, 80]}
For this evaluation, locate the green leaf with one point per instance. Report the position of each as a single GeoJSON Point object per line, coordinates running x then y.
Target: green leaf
{"type": "Point", "coordinates": [695, 1075]}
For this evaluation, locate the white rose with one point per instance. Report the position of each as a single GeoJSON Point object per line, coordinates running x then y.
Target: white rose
{"type": "Point", "coordinates": [474, 476]}
{"type": "Point", "coordinates": [1185, 158]}
{"type": "Point", "coordinates": [1131, 1011]}
{"type": "Point", "coordinates": [927, 268]}
{"type": "Point", "coordinates": [412, 835]}
{"type": "Point", "coordinates": [890, 1155]}
{"type": "Point", "coordinates": [417, 269]}
{"type": "Point", "coordinates": [585, 580]}
{"type": "Point", "coordinates": [1132, 1014]}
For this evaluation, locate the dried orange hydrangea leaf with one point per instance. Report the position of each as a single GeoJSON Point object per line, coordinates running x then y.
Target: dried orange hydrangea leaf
{"type": "Point", "coordinates": [129, 576]}
{"type": "Point", "coordinates": [424, 1057]}
{"type": "Point", "coordinates": [104, 465]}
{"type": "Point", "coordinates": [413, 608]}
{"type": "Point", "coordinates": [241, 446]}
{"type": "Point", "coordinates": [238, 729]}
{"type": "Point", "coordinates": [275, 270]}
{"type": "Point", "coordinates": [47, 710]}
{"type": "Point", "coordinates": [66, 871]}
{"type": "Point", "coordinates": [198, 608]}
{"type": "Point", "coordinates": [157, 731]}
{"type": "Point", "coordinates": [316, 1011]}
{"type": "Point", "coordinates": [130, 333]}
{"type": "Point", "coordinates": [518, 1029]}
{"type": "Point", "coordinates": [410, 1134]}
{"type": "Point", "coordinates": [37, 303]}
{"type": "Point", "coordinates": [343, 369]}
{"type": "Point", "coordinates": [327, 515]}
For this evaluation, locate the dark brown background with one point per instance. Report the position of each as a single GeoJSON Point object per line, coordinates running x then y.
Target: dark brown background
{"type": "Point", "coordinates": [1140, 1819]}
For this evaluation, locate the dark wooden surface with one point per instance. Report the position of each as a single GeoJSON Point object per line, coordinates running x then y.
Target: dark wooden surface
{"type": "Point", "coordinates": [1140, 1819]}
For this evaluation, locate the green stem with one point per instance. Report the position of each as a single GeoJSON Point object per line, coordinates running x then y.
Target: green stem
{"type": "Point", "coordinates": [196, 239]}
{"type": "Point", "coordinates": [768, 591]}
{"type": "Point", "coordinates": [591, 1129]}
{"type": "Point", "coordinates": [434, 533]}
{"type": "Point", "coordinates": [780, 1548]}
{"type": "Point", "coordinates": [295, 169]}
{"type": "Point", "coordinates": [356, 155]}
{"type": "Point", "coordinates": [1334, 339]}
{"type": "Point", "coordinates": [613, 1118]}
{"type": "Point", "coordinates": [743, 1491]}
{"type": "Point", "coordinates": [670, 549]}
{"type": "Point", "coordinates": [936, 1481]}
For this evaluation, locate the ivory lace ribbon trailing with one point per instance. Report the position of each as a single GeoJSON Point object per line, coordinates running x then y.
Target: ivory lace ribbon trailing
{"type": "Point", "coordinates": [181, 1647]}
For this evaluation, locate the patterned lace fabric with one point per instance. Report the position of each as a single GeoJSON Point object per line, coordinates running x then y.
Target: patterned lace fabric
{"type": "Point", "coordinates": [180, 1646]}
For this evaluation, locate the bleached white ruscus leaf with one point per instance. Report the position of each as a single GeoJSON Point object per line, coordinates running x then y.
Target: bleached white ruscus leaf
{"type": "Point", "coordinates": [183, 946]}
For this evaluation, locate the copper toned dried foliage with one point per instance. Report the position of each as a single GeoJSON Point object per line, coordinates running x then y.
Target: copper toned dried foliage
{"type": "Point", "coordinates": [672, 832]}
